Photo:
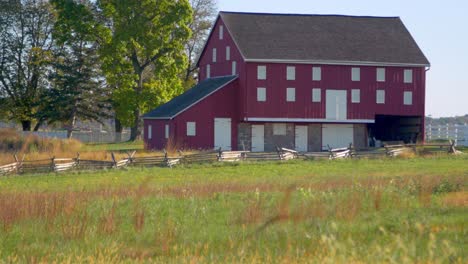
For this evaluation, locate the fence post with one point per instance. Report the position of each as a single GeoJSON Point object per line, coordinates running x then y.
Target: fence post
{"type": "Point", "coordinates": [17, 164]}
{"type": "Point", "coordinates": [220, 153]}
{"type": "Point", "coordinates": [113, 159]}
{"type": "Point", "coordinates": [77, 160]}
{"type": "Point", "coordinates": [52, 165]}
{"type": "Point", "coordinates": [351, 150]}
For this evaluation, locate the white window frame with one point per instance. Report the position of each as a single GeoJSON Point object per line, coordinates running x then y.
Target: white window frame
{"type": "Point", "coordinates": [228, 53]}
{"type": "Point", "coordinates": [408, 98]}
{"type": "Point", "coordinates": [408, 76]}
{"type": "Point", "coordinates": [290, 73]}
{"type": "Point", "coordinates": [150, 131]}
{"type": "Point", "coordinates": [214, 54]}
{"type": "Point", "coordinates": [261, 94]}
{"type": "Point", "coordinates": [191, 129]}
{"type": "Point", "coordinates": [234, 67]}
{"type": "Point", "coordinates": [279, 129]}
{"type": "Point", "coordinates": [316, 95]}
{"type": "Point", "coordinates": [380, 74]}
{"type": "Point", "coordinates": [355, 95]}
{"type": "Point", "coordinates": [316, 73]}
{"type": "Point", "coordinates": [221, 32]}
{"type": "Point", "coordinates": [208, 71]}
{"type": "Point", "coordinates": [166, 131]}
{"type": "Point", "coordinates": [380, 96]}
{"type": "Point", "coordinates": [290, 94]}
{"type": "Point", "coordinates": [261, 72]}
{"type": "Point", "coordinates": [355, 74]}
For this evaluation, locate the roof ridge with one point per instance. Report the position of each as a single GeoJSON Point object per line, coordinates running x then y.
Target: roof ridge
{"type": "Point", "coordinates": [296, 14]}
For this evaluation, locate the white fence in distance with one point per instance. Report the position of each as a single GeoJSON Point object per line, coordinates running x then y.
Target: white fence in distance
{"type": "Point", "coordinates": [458, 133]}
{"type": "Point", "coordinates": [86, 137]}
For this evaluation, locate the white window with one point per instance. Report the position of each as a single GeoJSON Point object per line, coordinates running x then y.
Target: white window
{"type": "Point", "coordinates": [261, 94]}
{"type": "Point", "coordinates": [380, 97]}
{"type": "Point", "coordinates": [355, 74]}
{"type": "Point", "coordinates": [290, 73]}
{"type": "Point", "coordinates": [408, 76]}
{"type": "Point", "coordinates": [150, 132]}
{"type": "Point", "coordinates": [234, 68]}
{"type": "Point", "coordinates": [316, 95]}
{"type": "Point", "coordinates": [208, 71]}
{"type": "Point", "coordinates": [228, 53]}
{"type": "Point", "coordinates": [381, 74]}
{"type": "Point", "coordinates": [214, 54]}
{"type": "Point", "coordinates": [221, 32]}
{"type": "Point", "coordinates": [290, 94]}
{"type": "Point", "coordinates": [166, 131]}
{"type": "Point", "coordinates": [408, 98]}
{"type": "Point", "coordinates": [279, 129]}
{"type": "Point", "coordinates": [316, 74]}
{"type": "Point", "coordinates": [191, 129]}
{"type": "Point", "coordinates": [355, 96]}
{"type": "Point", "coordinates": [261, 73]}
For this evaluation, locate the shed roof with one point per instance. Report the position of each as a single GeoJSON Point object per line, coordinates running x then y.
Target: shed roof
{"type": "Point", "coordinates": [192, 96]}
{"type": "Point", "coordinates": [323, 38]}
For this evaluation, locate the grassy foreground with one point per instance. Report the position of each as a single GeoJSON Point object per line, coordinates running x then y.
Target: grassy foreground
{"type": "Point", "coordinates": [389, 210]}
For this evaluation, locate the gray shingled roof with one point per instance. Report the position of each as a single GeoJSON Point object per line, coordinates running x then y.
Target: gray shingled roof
{"type": "Point", "coordinates": [323, 38]}
{"type": "Point", "coordinates": [189, 98]}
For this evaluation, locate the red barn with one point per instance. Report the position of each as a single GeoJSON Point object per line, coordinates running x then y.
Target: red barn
{"type": "Point", "coordinates": [298, 81]}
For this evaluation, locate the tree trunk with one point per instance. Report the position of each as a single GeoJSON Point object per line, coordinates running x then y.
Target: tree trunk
{"type": "Point", "coordinates": [38, 125]}
{"type": "Point", "coordinates": [135, 131]}
{"type": "Point", "coordinates": [26, 124]}
{"type": "Point", "coordinates": [71, 126]}
{"type": "Point", "coordinates": [118, 130]}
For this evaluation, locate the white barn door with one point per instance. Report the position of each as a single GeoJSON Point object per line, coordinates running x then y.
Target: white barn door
{"type": "Point", "coordinates": [301, 138]}
{"type": "Point", "coordinates": [337, 136]}
{"type": "Point", "coordinates": [336, 105]}
{"type": "Point", "coordinates": [222, 133]}
{"type": "Point", "coordinates": [258, 138]}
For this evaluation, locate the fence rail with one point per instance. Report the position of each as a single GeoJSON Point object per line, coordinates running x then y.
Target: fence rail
{"type": "Point", "coordinates": [59, 165]}
{"type": "Point", "coordinates": [458, 133]}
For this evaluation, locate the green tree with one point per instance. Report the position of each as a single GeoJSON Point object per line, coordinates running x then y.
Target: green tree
{"type": "Point", "coordinates": [143, 54]}
{"type": "Point", "coordinates": [25, 53]}
{"type": "Point", "coordinates": [77, 87]}
{"type": "Point", "coordinates": [204, 12]}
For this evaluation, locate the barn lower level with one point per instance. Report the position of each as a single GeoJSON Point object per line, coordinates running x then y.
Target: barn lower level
{"type": "Point", "coordinates": [227, 134]}
{"type": "Point", "coordinates": [306, 137]}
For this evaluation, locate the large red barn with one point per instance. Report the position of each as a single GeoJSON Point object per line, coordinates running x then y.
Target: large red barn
{"type": "Point", "coordinates": [298, 81]}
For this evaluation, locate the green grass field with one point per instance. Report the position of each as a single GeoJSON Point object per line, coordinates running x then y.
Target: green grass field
{"type": "Point", "coordinates": [388, 210]}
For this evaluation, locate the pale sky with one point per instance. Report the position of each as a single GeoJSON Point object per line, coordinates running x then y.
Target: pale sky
{"type": "Point", "coordinates": [439, 27]}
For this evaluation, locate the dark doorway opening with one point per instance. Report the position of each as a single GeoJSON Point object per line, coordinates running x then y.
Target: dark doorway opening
{"type": "Point", "coordinates": [397, 128]}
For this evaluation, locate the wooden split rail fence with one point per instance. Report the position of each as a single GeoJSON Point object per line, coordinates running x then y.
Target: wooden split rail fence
{"type": "Point", "coordinates": [66, 164]}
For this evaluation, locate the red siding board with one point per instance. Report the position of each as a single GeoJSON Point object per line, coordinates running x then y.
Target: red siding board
{"type": "Point", "coordinates": [221, 104]}
{"type": "Point", "coordinates": [221, 67]}
{"type": "Point", "coordinates": [333, 77]}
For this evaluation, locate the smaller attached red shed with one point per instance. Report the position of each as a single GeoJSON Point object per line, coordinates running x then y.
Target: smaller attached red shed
{"type": "Point", "coordinates": [203, 117]}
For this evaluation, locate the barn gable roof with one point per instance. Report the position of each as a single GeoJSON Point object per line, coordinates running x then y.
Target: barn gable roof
{"type": "Point", "coordinates": [339, 39]}
{"type": "Point", "coordinates": [192, 96]}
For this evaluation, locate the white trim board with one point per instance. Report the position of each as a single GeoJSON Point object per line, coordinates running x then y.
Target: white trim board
{"type": "Point", "coordinates": [308, 120]}
{"type": "Point", "coordinates": [332, 62]}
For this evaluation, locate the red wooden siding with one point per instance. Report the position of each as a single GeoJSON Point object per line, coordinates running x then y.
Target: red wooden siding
{"type": "Point", "coordinates": [221, 104]}
{"type": "Point", "coordinates": [333, 77]}
{"type": "Point", "coordinates": [221, 67]}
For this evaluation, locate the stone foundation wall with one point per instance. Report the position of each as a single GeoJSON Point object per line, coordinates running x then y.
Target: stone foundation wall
{"type": "Point", "coordinates": [315, 137]}
{"type": "Point", "coordinates": [244, 140]}
{"type": "Point", "coordinates": [244, 136]}
{"type": "Point", "coordinates": [285, 141]}
{"type": "Point", "coordinates": [360, 136]}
